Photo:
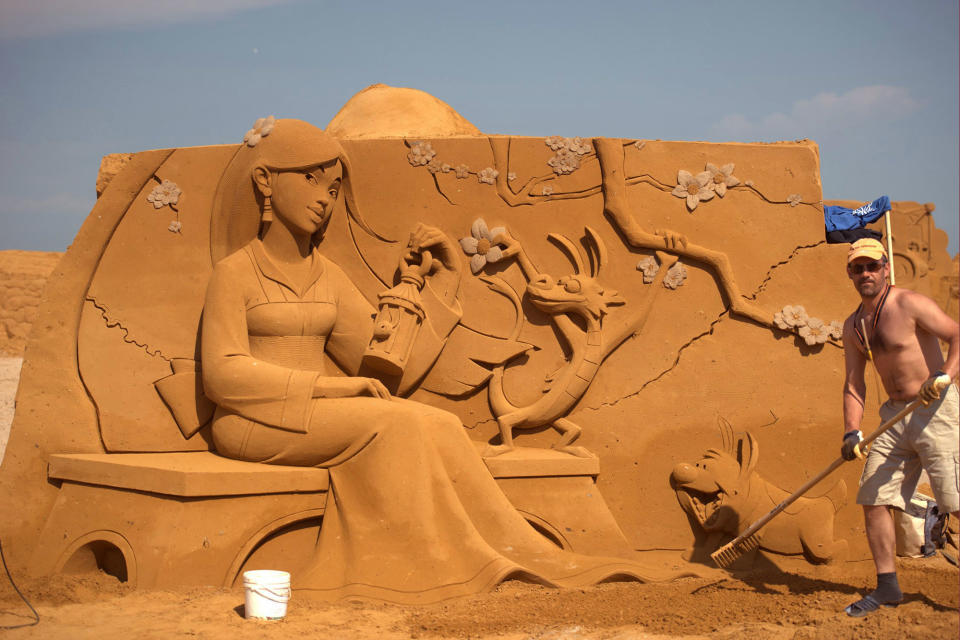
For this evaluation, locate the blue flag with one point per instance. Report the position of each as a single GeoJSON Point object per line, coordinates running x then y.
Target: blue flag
{"type": "Point", "coordinates": [841, 218]}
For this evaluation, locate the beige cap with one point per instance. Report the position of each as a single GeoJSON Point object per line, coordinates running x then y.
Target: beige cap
{"type": "Point", "coordinates": [866, 248]}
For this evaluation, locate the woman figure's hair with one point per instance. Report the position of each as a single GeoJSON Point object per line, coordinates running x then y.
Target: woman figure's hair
{"type": "Point", "coordinates": [290, 145]}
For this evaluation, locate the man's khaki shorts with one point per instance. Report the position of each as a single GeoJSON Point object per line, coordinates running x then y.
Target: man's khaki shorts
{"type": "Point", "coordinates": [928, 438]}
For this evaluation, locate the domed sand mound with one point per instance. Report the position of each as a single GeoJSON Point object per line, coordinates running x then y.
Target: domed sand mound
{"type": "Point", "coordinates": [380, 111]}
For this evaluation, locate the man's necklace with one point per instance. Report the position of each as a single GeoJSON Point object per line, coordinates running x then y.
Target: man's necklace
{"type": "Point", "coordinates": [876, 320]}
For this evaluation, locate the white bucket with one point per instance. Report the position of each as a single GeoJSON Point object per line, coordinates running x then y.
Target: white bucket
{"type": "Point", "coordinates": [267, 594]}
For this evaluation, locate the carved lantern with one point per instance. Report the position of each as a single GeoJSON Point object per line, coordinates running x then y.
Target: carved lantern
{"type": "Point", "coordinates": [396, 327]}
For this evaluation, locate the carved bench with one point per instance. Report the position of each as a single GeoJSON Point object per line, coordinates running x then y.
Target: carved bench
{"type": "Point", "coordinates": [165, 519]}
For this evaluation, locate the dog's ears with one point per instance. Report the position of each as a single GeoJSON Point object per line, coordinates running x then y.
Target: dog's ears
{"type": "Point", "coordinates": [726, 435]}
{"type": "Point", "coordinates": [748, 454]}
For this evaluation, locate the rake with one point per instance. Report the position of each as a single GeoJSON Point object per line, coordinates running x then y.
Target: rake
{"type": "Point", "coordinates": [750, 539]}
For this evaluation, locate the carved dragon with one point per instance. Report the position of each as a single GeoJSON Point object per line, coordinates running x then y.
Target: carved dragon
{"type": "Point", "coordinates": [579, 295]}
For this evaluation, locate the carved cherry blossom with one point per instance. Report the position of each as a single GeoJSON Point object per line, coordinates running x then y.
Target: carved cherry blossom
{"type": "Point", "coordinates": [722, 177]}
{"type": "Point", "coordinates": [165, 193]}
{"type": "Point", "coordinates": [695, 188]}
{"type": "Point", "coordinates": [566, 161]}
{"type": "Point", "coordinates": [511, 176]}
{"type": "Point", "coordinates": [434, 167]}
{"type": "Point", "coordinates": [579, 146]}
{"type": "Point", "coordinates": [836, 329]}
{"type": "Point", "coordinates": [446, 168]}
{"type": "Point", "coordinates": [675, 276]}
{"type": "Point", "coordinates": [488, 175]}
{"type": "Point", "coordinates": [547, 190]}
{"type": "Point", "coordinates": [794, 199]}
{"type": "Point", "coordinates": [462, 171]}
{"type": "Point", "coordinates": [174, 226]}
{"type": "Point", "coordinates": [649, 266]}
{"type": "Point", "coordinates": [420, 154]}
{"type": "Point", "coordinates": [261, 129]}
{"type": "Point", "coordinates": [556, 142]}
{"type": "Point", "coordinates": [480, 245]}
{"type": "Point", "coordinates": [790, 317]}
{"type": "Point", "coordinates": [815, 332]}
{"type": "Point", "coordinates": [749, 183]}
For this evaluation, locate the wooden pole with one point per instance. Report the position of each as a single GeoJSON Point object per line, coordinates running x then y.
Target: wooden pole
{"type": "Point", "coordinates": [886, 216]}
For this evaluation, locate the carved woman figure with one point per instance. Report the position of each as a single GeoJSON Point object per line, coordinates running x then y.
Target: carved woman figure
{"type": "Point", "coordinates": [413, 514]}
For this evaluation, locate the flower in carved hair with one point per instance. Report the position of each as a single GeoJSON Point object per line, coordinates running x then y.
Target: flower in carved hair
{"type": "Point", "coordinates": [420, 154]}
{"type": "Point", "coordinates": [261, 129]}
{"type": "Point", "coordinates": [174, 226]}
{"type": "Point", "coordinates": [565, 161]}
{"type": "Point", "coordinates": [480, 245]}
{"type": "Point", "coordinates": [488, 175]}
{"type": "Point", "coordinates": [649, 266]}
{"type": "Point", "coordinates": [794, 199]}
{"type": "Point", "coordinates": [722, 177]}
{"type": "Point", "coordinates": [695, 188]}
{"type": "Point", "coordinates": [836, 329]}
{"type": "Point", "coordinates": [815, 332]}
{"type": "Point", "coordinates": [167, 192]}
{"type": "Point", "coordinates": [675, 276]}
{"type": "Point", "coordinates": [462, 171]}
{"type": "Point", "coordinates": [790, 317]}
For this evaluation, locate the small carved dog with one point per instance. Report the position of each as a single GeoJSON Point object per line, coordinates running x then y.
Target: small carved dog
{"type": "Point", "coordinates": [724, 494]}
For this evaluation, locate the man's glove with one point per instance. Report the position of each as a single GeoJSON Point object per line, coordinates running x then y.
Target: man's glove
{"type": "Point", "coordinates": [932, 386]}
{"type": "Point", "coordinates": [850, 441]}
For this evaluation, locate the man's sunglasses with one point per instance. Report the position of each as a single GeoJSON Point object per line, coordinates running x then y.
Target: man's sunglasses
{"type": "Point", "coordinates": [870, 267]}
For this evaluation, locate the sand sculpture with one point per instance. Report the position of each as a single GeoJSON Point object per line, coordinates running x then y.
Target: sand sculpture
{"type": "Point", "coordinates": [723, 494]}
{"type": "Point", "coordinates": [202, 396]}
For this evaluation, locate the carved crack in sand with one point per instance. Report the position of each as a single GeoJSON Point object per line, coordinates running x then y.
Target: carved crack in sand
{"type": "Point", "coordinates": [769, 276]}
{"type": "Point", "coordinates": [663, 373]}
{"type": "Point", "coordinates": [111, 323]}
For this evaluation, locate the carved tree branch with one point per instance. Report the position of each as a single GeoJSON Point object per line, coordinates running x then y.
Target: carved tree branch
{"type": "Point", "coordinates": [617, 207]}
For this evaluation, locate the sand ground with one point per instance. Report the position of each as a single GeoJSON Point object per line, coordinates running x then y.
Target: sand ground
{"type": "Point", "coordinates": [801, 602]}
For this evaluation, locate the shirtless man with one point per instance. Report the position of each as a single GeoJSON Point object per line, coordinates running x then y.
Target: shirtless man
{"type": "Point", "coordinates": [903, 330]}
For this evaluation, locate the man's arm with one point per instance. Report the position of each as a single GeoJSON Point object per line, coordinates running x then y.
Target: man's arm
{"type": "Point", "coordinates": [932, 319]}
{"type": "Point", "coordinates": [854, 385]}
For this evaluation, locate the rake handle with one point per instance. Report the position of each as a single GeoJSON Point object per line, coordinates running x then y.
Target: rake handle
{"type": "Point", "coordinates": [941, 383]}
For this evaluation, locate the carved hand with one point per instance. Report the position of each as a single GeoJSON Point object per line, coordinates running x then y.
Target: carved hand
{"type": "Point", "coordinates": [337, 387]}
{"type": "Point", "coordinates": [425, 243]}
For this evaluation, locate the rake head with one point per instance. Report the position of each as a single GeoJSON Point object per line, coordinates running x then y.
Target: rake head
{"type": "Point", "coordinates": [728, 553]}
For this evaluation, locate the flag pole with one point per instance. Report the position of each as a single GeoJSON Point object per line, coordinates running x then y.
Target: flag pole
{"type": "Point", "coordinates": [886, 216]}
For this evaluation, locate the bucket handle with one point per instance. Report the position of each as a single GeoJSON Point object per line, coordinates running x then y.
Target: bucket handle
{"type": "Point", "coordinates": [276, 595]}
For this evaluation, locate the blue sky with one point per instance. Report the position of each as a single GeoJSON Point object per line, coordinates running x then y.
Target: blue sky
{"type": "Point", "coordinates": [875, 83]}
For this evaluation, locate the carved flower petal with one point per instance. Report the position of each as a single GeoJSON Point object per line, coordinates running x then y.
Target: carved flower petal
{"type": "Point", "coordinates": [476, 263]}
{"type": "Point", "coordinates": [705, 194]}
{"type": "Point", "coordinates": [680, 191]}
{"type": "Point", "coordinates": [720, 188]}
{"type": "Point", "coordinates": [731, 181]}
{"type": "Point", "coordinates": [727, 169]}
{"type": "Point", "coordinates": [496, 232]}
{"type": "Point", "coordinates": [712, 168]}
{"type": "Point", "coordinates": [703, 178]}
{"type": "Point", "coordinates": [494, 254]}
{"type": "Point", "coordinates": [479, 229]}
{"type": "Point", "coordinates": [692, 202]}
{"type": "Point", "coordinates": [253, 139]}
{"type": "Point", "coordinates": [684, 177]}
{"type": "Point", "coordinates": [469, 245]}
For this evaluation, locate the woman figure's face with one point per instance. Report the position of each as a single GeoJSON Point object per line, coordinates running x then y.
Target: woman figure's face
{"type": "Point", "coordinates": [303, 200]}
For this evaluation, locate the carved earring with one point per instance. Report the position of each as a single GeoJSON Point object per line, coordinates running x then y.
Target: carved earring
{"type": "Point", "coordinates": [267, 214]}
